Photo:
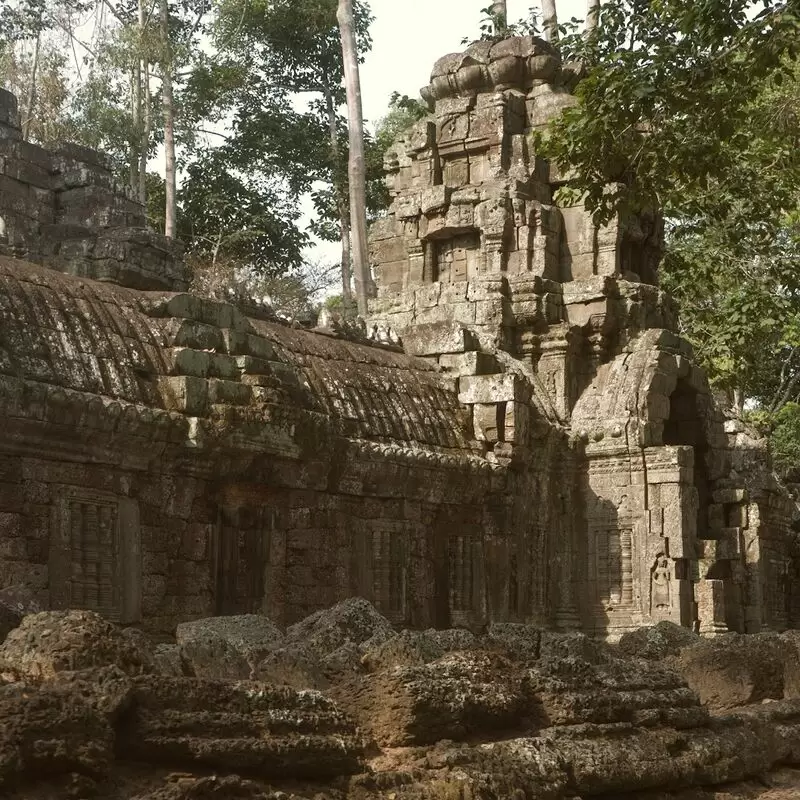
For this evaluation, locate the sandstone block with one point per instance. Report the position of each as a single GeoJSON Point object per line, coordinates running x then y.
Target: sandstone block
{"type": "Point", "coordinates": [272, 732]}
{"type": "Point", "coordinates": [198, 336]}
{"type": "Point", "coordinates": [458, 695]}
{"type": "Point", "coordinates": [251, 635]}
{"type": "Point", "coordinates": [188, 395]}
{"type": "Point", "coordinates": [55, 730]}
{"type": "Point", "coordinates": [52, 642]}
{"type": "Point", "coordinates": [486, 389]}
{"type": "Point", "coordinates": [735, 670]}
{"type": "Point", "coordinates": [471, 363]}
{"type": "Point", "coordinates": [658, 641]}
{"type": "Point", "coordinates": [438, 338]}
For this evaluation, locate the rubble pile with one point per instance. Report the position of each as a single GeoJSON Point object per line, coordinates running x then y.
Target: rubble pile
{"type": "Point", "coordinates": [88, 709]}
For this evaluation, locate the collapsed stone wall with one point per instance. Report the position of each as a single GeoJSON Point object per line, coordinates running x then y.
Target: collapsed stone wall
{"type": "Point", "coordinates": [61, 207]}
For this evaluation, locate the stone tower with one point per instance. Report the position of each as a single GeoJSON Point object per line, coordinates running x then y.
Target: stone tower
{"type": "Point", "coordinates": [553, 327]}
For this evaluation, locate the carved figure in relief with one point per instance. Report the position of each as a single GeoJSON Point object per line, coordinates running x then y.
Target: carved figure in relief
{"type": "Point", "coordinates": [660, 585]}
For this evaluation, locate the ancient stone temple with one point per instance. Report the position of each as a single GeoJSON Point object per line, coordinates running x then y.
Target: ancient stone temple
{"type": "Point", "coordinates": [540, 448]}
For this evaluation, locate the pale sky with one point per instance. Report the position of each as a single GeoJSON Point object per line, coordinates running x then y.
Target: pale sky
{"type": "Point", "coordinates": [408, 36]}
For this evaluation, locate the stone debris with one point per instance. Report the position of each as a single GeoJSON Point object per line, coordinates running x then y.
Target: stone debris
{"type": "Point", "coordinates": [210, 656]}
{"type": "Point", "coordinates": [656, 642]}
{"type": "Point", "coordinates": [15, 603]}
{"type": "Point", "coordinates": [459, 695]}
{"type": "Point", "coordinates": [737, 670]}
{"type": "Point", "coordinates": [335, 640]}
{"type": "Point", "coordinates": [62, 726]}
{"type": "Point", "coordinates": [168, 661]}
{"type": "Point", "coordinates": [227, 788]}
{"type": "Point", "coordinates": [50, 642]}
{"type": "Point", "coordinates": [271, 731]}
{"type": "Point", "coordinates": [295, 667]}
{"type": "Point", "coordinates": [474, 722]}
{"type": "Point", "coordinates": [252, 636]}
{"type": "Point", "coordinates": [415, 648]}
{"type": "Point", "coordinates": [354, 620]}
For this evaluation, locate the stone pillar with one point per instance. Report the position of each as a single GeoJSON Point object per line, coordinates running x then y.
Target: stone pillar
{"type": "Point", "coordinates": [567, 617]}
{"type": "Point", "coordinates": [710, 594]}
{"type": "Point", "coordinates": [553, 369]}
{"type": "Point", "coordinates": [671, 520]}
{"type": "Point", "coordinates": [626, 548]}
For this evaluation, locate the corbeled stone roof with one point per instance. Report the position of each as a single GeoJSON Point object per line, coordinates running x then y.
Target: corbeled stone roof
{"type": "Point", "coordinates": [184, 355]}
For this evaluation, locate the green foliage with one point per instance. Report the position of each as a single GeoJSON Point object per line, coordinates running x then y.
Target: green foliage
{"type": "Point", "coordinates": [664, 108]}
{"type": "Point", "coordinates": [783, 429]}
{"type": "Point", "coordinates": [334, 302]}
{"type": "Point", "coordinates": [50, 118]}
{"type": "Point", "coordinates": [693, 109]}
{"type": "Point", "coordinates": [244, 220]}
{"type": "Point", "coordinates": [494, 27]}
{"type": "Point", "coordinates": [403, 112]}
{"type": "Point", "coordinates": [739, 298]}
{"type": "Point", "coordinates": [279, 50]}
{"type": "Point", "coordinates": [251, 145]}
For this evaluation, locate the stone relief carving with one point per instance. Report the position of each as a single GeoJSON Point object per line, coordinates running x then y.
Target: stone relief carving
{"type": "Point", "coordinates": [660, 586]}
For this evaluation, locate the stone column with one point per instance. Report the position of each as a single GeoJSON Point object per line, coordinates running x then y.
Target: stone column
{"type": "Point", "coordinates": [710, 594]}
{"type": "Point", "coordinates": [567, 617]}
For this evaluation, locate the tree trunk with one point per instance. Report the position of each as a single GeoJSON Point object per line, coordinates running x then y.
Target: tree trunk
{"type": "Point", "coordinates": [169, 124]}
{"type": "Point", "coordinates": [738, 401]}
{"type": "Point", "coordinates": [144, 147]}
{"type": "Point", "coordinates": [341, 205]}
{"type": "Point", "coordinates": [31, 102]}
{"type": "Point", "coordinates": [136, 120]}
{"type": "Point", "coordinates": [592, 17]}
{"type": "Point", "coordinates": [145, 118]}
{"type": "Point", "coordinates": [550, 21]}
{"type": "Point", "coordinates": [357, 163]}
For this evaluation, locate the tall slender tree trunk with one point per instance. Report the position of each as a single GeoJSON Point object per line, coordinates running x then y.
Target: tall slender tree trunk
{"type": "Point", "coordinates": [147, 126]}
{"type": "Point", "coordinates": [357, 163]}
{"type": "Point", "coordinates": [136, 120]}
{"type": "Point", "coordinates": [31, 101]}
{"type": "Point", "coordinates": [169, 125]}
{"type": "Point", "coordinates": [145, 118]}
{"type": "Point", "coordinates": [592, 17]}
{"type": "Point", "coordinates": [341, 205]}
{"type": "Point", "coordinates": [550, 21]}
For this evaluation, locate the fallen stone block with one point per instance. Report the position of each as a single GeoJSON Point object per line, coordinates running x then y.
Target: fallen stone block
{"type": "Point", "coordinates": [270, 731]}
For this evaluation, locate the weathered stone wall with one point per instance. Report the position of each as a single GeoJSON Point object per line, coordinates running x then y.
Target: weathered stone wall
{"type": "Point", "coordinates": [166, 457]}
{"type": "Point", "coordinates": [542, 447]}
{"type": "Point", "coordinates": [61, 207]}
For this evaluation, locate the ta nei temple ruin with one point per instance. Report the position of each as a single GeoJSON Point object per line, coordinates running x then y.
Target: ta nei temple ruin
{"type": "Point", "coordinates": [520, 436]}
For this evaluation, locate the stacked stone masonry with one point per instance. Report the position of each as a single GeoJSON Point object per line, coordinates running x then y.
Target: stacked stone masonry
{"type": "Point", "coordinates": [61, 207]}
{"type": "Point", "coordinates": [542, 448]}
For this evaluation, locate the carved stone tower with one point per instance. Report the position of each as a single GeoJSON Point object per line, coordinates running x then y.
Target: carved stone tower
{"type": "Point", "coordinates": [553, 326]}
